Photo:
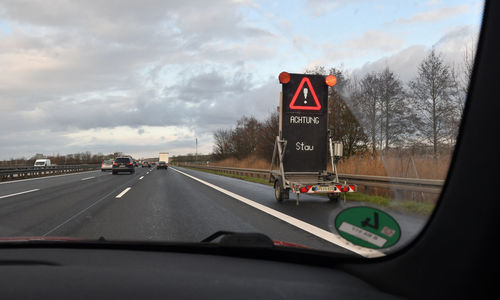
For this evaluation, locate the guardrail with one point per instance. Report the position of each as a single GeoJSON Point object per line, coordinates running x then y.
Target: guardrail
{"type": "Point", "coordinates": [11, 173]}
{"type": "Point", "coordinates": [398, 184]}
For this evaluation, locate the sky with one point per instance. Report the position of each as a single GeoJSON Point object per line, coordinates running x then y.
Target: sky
{"type": "Point", "coordinates": [142, 77]}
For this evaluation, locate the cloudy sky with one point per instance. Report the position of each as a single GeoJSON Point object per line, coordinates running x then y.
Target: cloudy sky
{"type": "Point", "coordinates": [146, 76]}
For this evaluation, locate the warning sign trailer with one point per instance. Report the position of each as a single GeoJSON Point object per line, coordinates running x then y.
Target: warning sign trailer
{"type": "Point", "coordinates": [300, 150]}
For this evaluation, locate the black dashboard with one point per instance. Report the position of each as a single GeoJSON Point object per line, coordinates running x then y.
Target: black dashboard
{"type": "Point", "coordinates": [73, 273]}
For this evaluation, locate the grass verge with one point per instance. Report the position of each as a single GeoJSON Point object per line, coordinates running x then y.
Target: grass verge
{"type": "Point", "coordinates": [420, 208]}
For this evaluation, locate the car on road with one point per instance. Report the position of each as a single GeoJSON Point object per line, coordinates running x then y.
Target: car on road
{"type": "Point", "coordinates": [123, 164]}
{"type": "Point", "coordinates": [146, 164]}
{"type": "Point", "coordinates": [107, 165]}
{"type": "Point", "coordinates": [43, 162]}
{"type": "Point", "coordinates": [162, 165]}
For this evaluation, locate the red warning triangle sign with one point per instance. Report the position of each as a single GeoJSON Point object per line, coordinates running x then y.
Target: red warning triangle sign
{"type": "Point", "coordinates": [310, 89]}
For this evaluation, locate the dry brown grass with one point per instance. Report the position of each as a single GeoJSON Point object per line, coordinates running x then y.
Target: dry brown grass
{"type": "Point", "coordinates": [397, 166]}
{"type": "Point", "coordinates": [394, 165]}
{"type": "Point", "coordinates": [251, 162]}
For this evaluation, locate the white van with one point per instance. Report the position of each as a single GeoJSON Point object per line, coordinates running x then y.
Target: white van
{"type": "Point", "coordinates": [44, 162]}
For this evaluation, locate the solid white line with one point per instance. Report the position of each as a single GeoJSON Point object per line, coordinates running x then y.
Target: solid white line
{"type": "Point", "coordinates": [141, 177]}
{"type": "Point", "coordinates": [20, 193]}
{"type": "Point", "coordinates": [321, 233]}
{"type": "Point", "coordinates": [147, 173]}
{"type": "Point", "coordinates": [45, 177]}
{"type": "Point", "coordinates": [123, 193]}
{"type": "Point", "coordinates": [88, 178]}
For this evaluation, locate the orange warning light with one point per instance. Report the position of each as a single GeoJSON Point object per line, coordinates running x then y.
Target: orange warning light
{"type": "Point", "coordinates": [284, 77]}
{"type": "Point", "coordinates": [331, 80]}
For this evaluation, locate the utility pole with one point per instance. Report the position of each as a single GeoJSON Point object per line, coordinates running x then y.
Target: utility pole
{"type": "Point", "coordinates": [196, 153]}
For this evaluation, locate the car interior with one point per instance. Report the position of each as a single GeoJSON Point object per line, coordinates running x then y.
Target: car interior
{"type": "Point", "coordinates": [454, 257]}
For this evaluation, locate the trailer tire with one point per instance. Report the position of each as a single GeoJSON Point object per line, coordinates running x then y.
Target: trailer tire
{"type": "Point", "coordinates": [334, 197]}
{"type": "Point", "coordinates": [279, 192]}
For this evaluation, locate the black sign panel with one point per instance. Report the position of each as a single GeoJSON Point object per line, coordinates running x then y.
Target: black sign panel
{"type": "Point", "coordinates": [305, 123]}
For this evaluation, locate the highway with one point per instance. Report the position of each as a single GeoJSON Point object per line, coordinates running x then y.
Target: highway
{"type": "Point", "coordinates": [177, 204]}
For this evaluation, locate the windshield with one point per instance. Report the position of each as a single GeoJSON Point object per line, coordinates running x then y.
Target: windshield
{"type": "Point", "coordinates": [40, 163]}
{"type": "Point", "coordinates": [122, 160]}
{"type": "Point", "coordinates": [325, 124]}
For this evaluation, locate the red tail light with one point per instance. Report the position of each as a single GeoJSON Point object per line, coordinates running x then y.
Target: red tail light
{"type": "Point", "coordinates": [114, 164]}
{"type": "Point", "coordinates": [129, 164]}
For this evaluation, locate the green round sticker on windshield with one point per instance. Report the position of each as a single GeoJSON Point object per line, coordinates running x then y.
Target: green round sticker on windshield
{"type": "Point", "coordinates": [368, 227]}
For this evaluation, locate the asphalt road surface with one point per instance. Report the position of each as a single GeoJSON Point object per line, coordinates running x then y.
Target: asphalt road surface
{"type": "Point", "coordinates": [177, 204]}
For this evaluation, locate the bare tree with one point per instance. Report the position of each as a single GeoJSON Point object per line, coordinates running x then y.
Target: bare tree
{"type": "Point", "coordinates": [244, 137]}
{"type": "Point", "coordinates": [396, 115]}
{"type": "Point", "coordinates": [433, 90]}
{"type": "Point", "coordinates": [341, 117]}
{"type": "Point", "coordinates": [367, 99]}
{"type": "Point", "coordinates": [267, 135]}
{"type": "Point", "coordinates": [223, 146]}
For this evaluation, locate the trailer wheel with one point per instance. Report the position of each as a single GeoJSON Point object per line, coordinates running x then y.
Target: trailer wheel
{"type": "Point", "coordinates": [334, 197]}
{"type": "Point", "coordinates": [279, 192]}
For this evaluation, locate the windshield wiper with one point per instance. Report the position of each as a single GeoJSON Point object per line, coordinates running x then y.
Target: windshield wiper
{"type": "Point", "coordinates": [240, 239]}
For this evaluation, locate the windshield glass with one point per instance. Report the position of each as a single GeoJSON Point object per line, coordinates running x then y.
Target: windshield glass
{"type": "Point", "coordinates": [122, 160]}
{"type": "Point", "coordinates": [324, 124]}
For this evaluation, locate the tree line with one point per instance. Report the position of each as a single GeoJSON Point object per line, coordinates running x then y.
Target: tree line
{"type": "Point", "coordinates": [80, 158]}
{"type": "Point", "coordinates": [377, 112]}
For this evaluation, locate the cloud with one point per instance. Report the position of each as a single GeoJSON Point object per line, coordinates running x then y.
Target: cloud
{"type": "Point", "coordinates": [371, 41]}
{"type": "Point", "coordinates": [405, 62]}
{"type": "Point", "coordinates": [321, 7]}
{"type": "Point", "coordinates": [435, 15]}
{"type": "Point", "coordinates": [153, 75]}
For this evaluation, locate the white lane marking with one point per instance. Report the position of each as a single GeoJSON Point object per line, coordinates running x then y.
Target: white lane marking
{"type": "Point", "coordinates": [141, 177]}
{"type": "Point", "coordinates": [147, 173]}
{"type": "Point", "coordinates": [123, 192]}
{"type": "Point", "coordinates": [88, 178]}
{"type": "Point", "coordinates": [46, 177]}
{"type": "Point", "coordinates": [321, 233]}
{"type": "Point", "coordinates": [20, 193]}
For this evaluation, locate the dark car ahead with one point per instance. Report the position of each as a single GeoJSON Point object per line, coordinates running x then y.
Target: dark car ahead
{"type": "Point", "coordinates": [123, 164]}
{"type": "Point", "coordinates": [146, 164]}
{"type": "Point", "coordinates": [162, 165]}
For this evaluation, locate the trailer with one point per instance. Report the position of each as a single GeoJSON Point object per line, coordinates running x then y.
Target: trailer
{"type": "Point", "coordinates": [301, 147]}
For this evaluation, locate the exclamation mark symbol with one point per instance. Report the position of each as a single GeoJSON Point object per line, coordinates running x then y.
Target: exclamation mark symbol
{"type": "Point", "coordinates": [305, 95]}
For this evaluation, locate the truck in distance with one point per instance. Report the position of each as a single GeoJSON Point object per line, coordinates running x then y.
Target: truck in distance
{"type": "Point", "coordinates": [163, 161]}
